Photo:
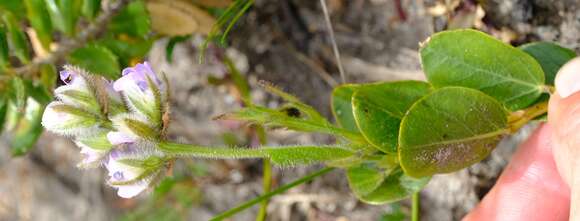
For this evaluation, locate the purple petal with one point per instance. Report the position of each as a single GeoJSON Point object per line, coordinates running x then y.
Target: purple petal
{"type": "Point", "coordinates": [122, 83]}
{"type": "Point", "coordinates": [117, 138]}
{"type": "Point", "coordinates": [67, 76]}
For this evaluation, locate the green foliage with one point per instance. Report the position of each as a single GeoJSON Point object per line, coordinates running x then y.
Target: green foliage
{"type": "Point", "coordinates": [294, 115]}
{"type": "Point", "coordinates": [473, 59]}
{"type": "Point", "coordinates": [550, 56]}
{"type": "Point", "coordinates": [16, 38]}
{"type": "Point", "coordinates": [96, 59]}
{"type": "Point", "coordinates": [448, 130]}
{"type": "Point", "coordinates": [90, 8]}
{"type": "Point", "coordinates": [4, 50]}
{"type": "Point", "coordinates": [28, 128]}
{"type": "Point", "coordinates": [133, 21]}
{"type": "Point", "coordinates": [63, 14]}
{"type": "Point", "coordinates": [379, 108]}
{"type": "Point", "coordinates": [40, 21]}
{"type": "Point", "coordinates": [342, 106]}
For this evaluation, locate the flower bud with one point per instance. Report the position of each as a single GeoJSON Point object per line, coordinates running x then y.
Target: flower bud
{"type": "Point", "coordinates": [143, 91]}
{"type": "Point", "coordinates": [133, 168]}
{"type": "Point", "coordinates": [68, 120]}
{"type": "Point", "coordinates": [76, 92]}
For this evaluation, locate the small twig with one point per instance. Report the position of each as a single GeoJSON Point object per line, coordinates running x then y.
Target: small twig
{"type": "Point", "coordinates": [82, 38]}
{"type": "Point", "coordinates": [333, 41]}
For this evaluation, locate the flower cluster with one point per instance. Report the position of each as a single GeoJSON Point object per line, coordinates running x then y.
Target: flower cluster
{"type": "Point", "coordinates": [115, 124]}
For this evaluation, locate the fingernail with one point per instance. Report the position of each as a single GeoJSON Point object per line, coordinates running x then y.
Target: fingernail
{"type": "Point", "coordinates": [568, 78]}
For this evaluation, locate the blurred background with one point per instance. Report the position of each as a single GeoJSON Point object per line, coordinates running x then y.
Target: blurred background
{"type": "Point", "coordinates": [285, 42]}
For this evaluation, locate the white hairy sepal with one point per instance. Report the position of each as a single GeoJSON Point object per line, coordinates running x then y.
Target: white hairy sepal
{"type": "Point", "coordinates": [144, 102]}
{"type": "Point", "coordinates": [69, 120]}
{"type": "Point", "coordinates": [135, 127]}
{"type": "Point", "coordinates": [93, 150]}
{"type": "Point", "coordinates": [133, 168]}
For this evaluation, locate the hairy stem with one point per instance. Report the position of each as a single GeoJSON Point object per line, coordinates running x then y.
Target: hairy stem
{"type": "Point", "coordinates": [188, 150]}
{"type": "Point", "coordinates": [269, 195]}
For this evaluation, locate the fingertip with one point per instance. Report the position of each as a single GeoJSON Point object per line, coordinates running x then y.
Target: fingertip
{"type": "Point", "coordinates": [568, 78]}
{"type": "Point", "coordinates": [530, 182]}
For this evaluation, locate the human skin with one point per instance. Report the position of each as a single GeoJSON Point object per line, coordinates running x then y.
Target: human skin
{"type": "Point", "coordinates": [542, 180]}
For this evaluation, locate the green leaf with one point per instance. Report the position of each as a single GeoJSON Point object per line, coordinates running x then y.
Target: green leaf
{"type": "Point", "coordinates": [28, 129]}
{"type": "Point", "coordinates": [364, 178]}
{"type": "Point", "coordinates": [15, 7]}
{"type": "Point", "coordinates": [342, 106]}
{"type": "Point", "coordinates": [48, 77]}
{"type": "Point", "coordinates": [90, 8]}
{"type": "Point", "coordinates": [97, 60]}
{"type": "Point", "coordinates": [373, 186]}
{"type": "Point", "coordinates": [40, 21]}
{"type": "Point", "coordinates": [3, 110]}
{"type": "Point", "coordinates": [379, 108]}
{"type": "Point", "coordinates": [550, 56]}
{"type": "Point", "coordinates": [448, 130]}
{"type": "Point", "coordinates": [17, 38]}
{"type": "Point", "coordinates": [473, 59]}
{"type": "Point", "coordinates": [133, 20]}
{"type": "Point", "coordinates": [171, 45]}
{"type": "Point", "coordinates": [69, 11]}
{"type": "Point", "coordinates": [127, 49]}
{"type": "Point", "coordinates": [4, 50]}
{"type": "Point", "coordinates": [38, 92]}
{"type": "Point", "coordinates": [18, 93]}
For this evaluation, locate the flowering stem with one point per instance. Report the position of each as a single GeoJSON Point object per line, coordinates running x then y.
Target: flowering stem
{"type": "Point", "coordinates": [285, 156]}
{"type": "Point", "coordinates": [269, 195]}
{"type": "Point", "coordinates": [187, 150]}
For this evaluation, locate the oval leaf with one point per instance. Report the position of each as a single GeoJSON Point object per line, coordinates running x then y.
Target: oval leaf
{"type": "Point", "coordinates": [448, 130]}
{"type": "Point", "coordinates": [379, 108]}
{"type": "Point", "coordinates": [175, 18]}
{"type": "Point", "coordinates": [40, 21]}
{"type": "Point", "coordinates": [28, 129]}
{"type": "Point", "coordinates": [373, 186]}
{"type": "Point", "coordinates": [97, 60]}
{"type": "Point", "coordinates": [550, 56]}
{"type": "Point", "coordinates": [133, 20]}
{"type": "Point", "coordinates": [342, 106]}
{"type": "Point", "coordinates": [16, 38]}
{"type": "Point", "coordinates": [473, 59]}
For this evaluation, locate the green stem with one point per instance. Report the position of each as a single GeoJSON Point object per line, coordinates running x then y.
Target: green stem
{"type": "Point", "coordinates": [266, 186]}
{"type": "Point", "coordinates": [188, 150]}
{"type": "Point", "coordinates": [416, 207]}
{"type": "Point", "coordinates": [520, 118]}
{"type": "Point", "coordinates": [269, 195]}
{"type": "Point", "coordinates": [266, 177]}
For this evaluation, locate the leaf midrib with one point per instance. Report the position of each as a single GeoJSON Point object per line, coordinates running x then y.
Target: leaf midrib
{"type": "Point", "coordinates": [462, 140]}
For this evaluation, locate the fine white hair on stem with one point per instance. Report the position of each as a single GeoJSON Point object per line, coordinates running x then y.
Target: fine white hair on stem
{"type": "Point", "coordinates": [333, 40]}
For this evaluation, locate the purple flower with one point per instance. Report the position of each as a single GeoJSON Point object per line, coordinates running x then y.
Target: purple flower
{"type": "Point", "coordinates": [140, 97]}
{"type": "Point", "coordinates": [90, 157]}
{"type": "Point", "coordinates": [132, 178]}
{"type": "Point", "coordinates": [137, 76]}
